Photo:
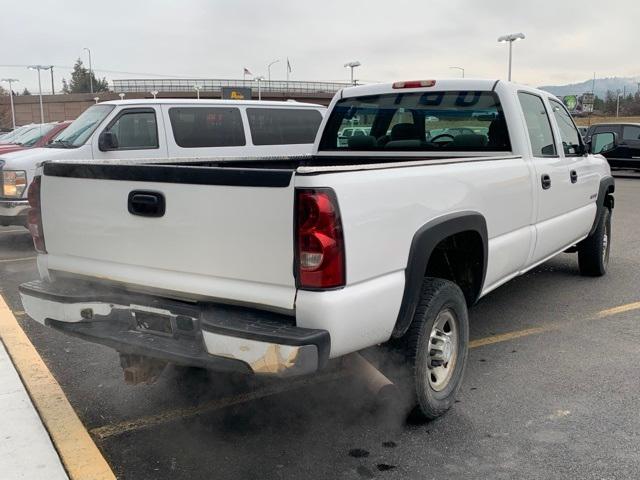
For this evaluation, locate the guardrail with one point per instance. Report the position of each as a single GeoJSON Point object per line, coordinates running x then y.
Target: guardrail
{"type": "Point", "coordinates": [216, 85]}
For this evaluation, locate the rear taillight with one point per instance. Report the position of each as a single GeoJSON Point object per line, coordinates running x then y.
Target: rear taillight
{"type": "Point", "coordinates": [320, 258]}
{"type": "Point", "coordinates": [34, 216]}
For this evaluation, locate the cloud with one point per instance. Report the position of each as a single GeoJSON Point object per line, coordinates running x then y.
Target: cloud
{"type": "Point", "coordinates": [566, 41]}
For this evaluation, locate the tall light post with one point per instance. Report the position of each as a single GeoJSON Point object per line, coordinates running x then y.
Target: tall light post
{"type": "Point", "coordinates": [13, 112]}
{"type": "Point", "coordinates": [352, 65]}
{"type": "Point", "coordinates": [512, 37]}
{"type": "Point", "coordinates": [197, 89]}
{"type": "Point", "coordinates": [90, 69]}
{"type": "Point", "coordinates": [53, 88]}
{"type": "Point", "coordinates": [39, 68]}
{"type": "Point", "coordinates": [617, 103]}
{"type": "Point", "coordinates": [269, 70]}
{"type": "Point", "coordinates": [459, 68]}
{"type": "Point", "coordinates": [259, 79]}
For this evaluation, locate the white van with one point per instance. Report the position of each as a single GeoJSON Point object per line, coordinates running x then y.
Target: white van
{"type": "Point", "coordinates": [164, 128]}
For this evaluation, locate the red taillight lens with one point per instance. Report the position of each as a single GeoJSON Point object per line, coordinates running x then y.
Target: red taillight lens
{"type": "Point", "coordinates": [34, 217]}
{"type": "Point", "coordinates": [320, 258]}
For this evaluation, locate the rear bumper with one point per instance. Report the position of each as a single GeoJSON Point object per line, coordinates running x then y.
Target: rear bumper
{"type": "Point", "coordinates": [213, 336]}
{"type": "Point", "coordinates": [13, 212]}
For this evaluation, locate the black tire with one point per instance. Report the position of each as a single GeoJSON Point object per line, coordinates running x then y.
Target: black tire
{"type": "Point", "coordinates": [593, 251]}
{"type": "Point", "coordinates": [439, 298]}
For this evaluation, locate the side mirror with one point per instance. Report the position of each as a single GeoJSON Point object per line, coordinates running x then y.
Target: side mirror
{"type": "Point", "coordinates": [603, 142]}
{"type": "Point", "coordinates": [107, 141]}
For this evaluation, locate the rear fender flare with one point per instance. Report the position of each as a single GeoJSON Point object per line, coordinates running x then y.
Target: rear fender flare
{"type": "Point", "coordinates": [424, 242]}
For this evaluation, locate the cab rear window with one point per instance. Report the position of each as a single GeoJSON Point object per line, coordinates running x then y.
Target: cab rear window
{"type": "Point", "coordinates": [418, 121]}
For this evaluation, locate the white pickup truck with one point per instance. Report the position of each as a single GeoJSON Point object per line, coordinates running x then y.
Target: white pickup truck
{"type": "Point", "coordinates": [276, 266]}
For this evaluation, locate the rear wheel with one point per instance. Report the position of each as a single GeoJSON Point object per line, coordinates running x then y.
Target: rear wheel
{"type": "Point", "coordinates": [593, 251]}
{"type": "Point", "coordinates": [435, 348]}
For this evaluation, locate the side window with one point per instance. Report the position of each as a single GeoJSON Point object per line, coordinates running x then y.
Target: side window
{"type": "Point", "coordinates": [568, 132]}
{"type": "Point", "coordinates": [538, 125]}
{"type": "Point", "coordinates": [135, 129]}
{"type": "Point", "coordinates": [284, 126]}
{"type": "Point", "coordinates": [199, 127]}
{"type": "Point", "coordinates": [631, 132]}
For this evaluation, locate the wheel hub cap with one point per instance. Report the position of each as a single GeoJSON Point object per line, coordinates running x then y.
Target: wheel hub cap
{"type": "Point", "coordinates": [443, 350]}
{"type": "Point", "coordinates": [446, 349]}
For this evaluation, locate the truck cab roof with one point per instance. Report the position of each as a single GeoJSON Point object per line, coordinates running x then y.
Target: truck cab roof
{"type": "Point", "coordinates": [439, 84]}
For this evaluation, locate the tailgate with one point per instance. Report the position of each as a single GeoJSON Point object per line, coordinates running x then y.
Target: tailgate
{"type": "Point", "coordinates": [225, 233]}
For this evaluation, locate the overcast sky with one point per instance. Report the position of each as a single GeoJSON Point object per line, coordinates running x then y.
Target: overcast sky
{"type": "Point", "coordinates": [394, 39]}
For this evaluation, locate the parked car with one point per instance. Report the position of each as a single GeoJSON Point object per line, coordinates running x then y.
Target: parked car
{"type": "Point", "coordinates": [273, 267]}
{"type": "Point", "coordinates": [162, 129]}
{"type": "Point", "coordinates": [38, 136]}
{"type": "Point", "coordinates": [626, 153]}
{"type": "Point", "coordinates": [583, 131]}
{"type": "Point", "coordinates": [349, 132]}
{"type": "Point", "coordinates": [12, 135]}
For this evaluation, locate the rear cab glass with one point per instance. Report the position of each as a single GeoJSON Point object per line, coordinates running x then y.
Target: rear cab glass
{"type": "Point", "coordinates": [434, 121]}
{"type": "Point", "coordinates": [283, 126]}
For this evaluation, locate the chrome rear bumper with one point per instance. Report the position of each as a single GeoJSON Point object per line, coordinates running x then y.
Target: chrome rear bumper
{"type": "Point", "coordinates": [214, 336]}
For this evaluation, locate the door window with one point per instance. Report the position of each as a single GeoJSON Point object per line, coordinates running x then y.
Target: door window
{"type": "Point", "coordinates": [569, 134]}
{"type": "Point", "coordinates": [136, 129]}
{"type": "Point", "coordinates": [538, 125]}
{"type": "Point", "coordinates": [631, 132]}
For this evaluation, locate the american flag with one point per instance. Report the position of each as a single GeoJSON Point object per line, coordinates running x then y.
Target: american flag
{"type": "Point", "coordinates": [247, 72]}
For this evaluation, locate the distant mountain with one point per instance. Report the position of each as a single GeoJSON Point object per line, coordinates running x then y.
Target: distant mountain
{"type": "Point", "coordinates": [601, 86]}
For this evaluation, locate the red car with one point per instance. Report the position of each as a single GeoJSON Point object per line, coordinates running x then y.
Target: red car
{"type": "Point", "coordinates": [36, 136]}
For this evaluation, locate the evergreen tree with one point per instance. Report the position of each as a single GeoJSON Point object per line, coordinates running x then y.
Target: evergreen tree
{"type": "Point", "coordinates": [5, 121]}
{"type": "Point", "coordinates": [26, 92]}
{"type": "Point", "coordinates": [80, 81]}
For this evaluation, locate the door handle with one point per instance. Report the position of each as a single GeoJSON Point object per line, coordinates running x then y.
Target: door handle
{"type": "Point", "coordinates": [546, 181]}
{"type": "Point", "coordinates": [574, 176]}
{"type": "Point", "coordinates": [145, 203]}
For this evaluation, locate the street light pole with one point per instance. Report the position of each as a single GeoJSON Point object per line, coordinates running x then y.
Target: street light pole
{"type": "Point", "coordinates": [459, 68]}
{"type": "Point", "coordinates": [512, 37]}
{"type": "Point", "coordinates": [53, 88]}
{"type": "Point", "coordinates": [352, 66]}
{"type": "Point", "coordinates": [13, 112]}
{"type": "Point", "coordinates": [90, 69]}
{"type": "Point", "coordinates": [259, 79]}
{"type": "Point", "coordinates": [269, 70]}
{"type": "Point", "coordinates": [38, 68]}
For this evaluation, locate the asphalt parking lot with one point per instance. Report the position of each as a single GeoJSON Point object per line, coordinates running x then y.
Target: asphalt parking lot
{"type": "Point", "coordinates": [551, 391]}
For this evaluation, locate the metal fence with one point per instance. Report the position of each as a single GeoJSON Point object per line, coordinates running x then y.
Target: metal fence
{"type": "Point", "coordinates": [215, 86]}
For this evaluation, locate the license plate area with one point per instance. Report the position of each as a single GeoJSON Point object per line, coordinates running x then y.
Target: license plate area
{"type": "Point", "coordinates": [151, 322]}
{"type": "Point", "coordinates": [164, 322]}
